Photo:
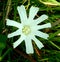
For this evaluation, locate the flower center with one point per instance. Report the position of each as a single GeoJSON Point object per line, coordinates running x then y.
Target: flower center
{"type": "Point", "coordinates": [26, 29]}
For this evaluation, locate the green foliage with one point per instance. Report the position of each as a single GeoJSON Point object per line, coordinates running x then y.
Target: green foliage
{"type": "Point", "coordinates": [51, 51]}
{"type": "Point", "coordinates": [3, 39]}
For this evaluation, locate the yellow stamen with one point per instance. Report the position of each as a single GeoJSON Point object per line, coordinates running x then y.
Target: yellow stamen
{"type": "Point", "coordinates": [26, 29]}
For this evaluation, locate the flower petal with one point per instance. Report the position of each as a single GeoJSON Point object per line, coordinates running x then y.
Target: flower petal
{"type": "Point", "coordinates": [15, 44]}
{"type": "Point", "coordinates": [38, 43]}
{"type": "Point", "coordinates": [48, 25]}
{"type": "Point", "coordinates": [41, 18]}
{"type": "Point", "coordinates": [41, 34]}
{"type": "Point", "coordinates": [17, 32]}
{"type": "Point", "coordinates": [33, 12]}
{"type": "Point", "coordinates": [29, 47]}
{"type": "Point", "coordinates": [22, 13]}
{"type": "Point", "coordinates": [13, 23]}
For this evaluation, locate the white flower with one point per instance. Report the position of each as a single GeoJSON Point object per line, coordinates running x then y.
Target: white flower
{"type": "Point", "coordinates": [28, 28]}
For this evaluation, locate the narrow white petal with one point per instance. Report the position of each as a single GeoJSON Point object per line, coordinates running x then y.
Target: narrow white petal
{"type": "Point", "coordinates": [38, 43]}
{"type": "Point", "coordinates": [17, 32]}
{"type": "Point", "coordinates": [48, 25]}
{"type": "Point", "coordinates": [29, 47]}
{"type": "Point", "coordinates": [41, 34]}
{"type": "Point", "coordinates": [41, 18]}
{"type": "Point", "coordinates": [13, 23]}
{"type": "Point", "coordinates": [22, 13]}
{"type": "Point", "coordinates": [33, 12]}
{"type": "Point", "coordinates": [15, 44]}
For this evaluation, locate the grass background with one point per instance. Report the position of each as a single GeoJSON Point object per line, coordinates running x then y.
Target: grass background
{"type": "Point", "coordinates": [51, 51]}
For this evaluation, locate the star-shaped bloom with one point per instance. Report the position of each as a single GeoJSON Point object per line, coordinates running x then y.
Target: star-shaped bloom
{"type": "Point", "coordinates": [28, 28]}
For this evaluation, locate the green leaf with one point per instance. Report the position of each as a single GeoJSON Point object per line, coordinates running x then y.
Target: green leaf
{"type": "Point", "coordinates": [3, 39]}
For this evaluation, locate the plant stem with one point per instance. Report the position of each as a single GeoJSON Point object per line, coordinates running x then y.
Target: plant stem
{"type": "Point", "coordinates": [5, 54]}
{"type": "Point", "coordinates": [8, 8]}
{"type": "Point", "coordinates": [44, 59]}
{"type": "Point", "coordinates": [55, 45]}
